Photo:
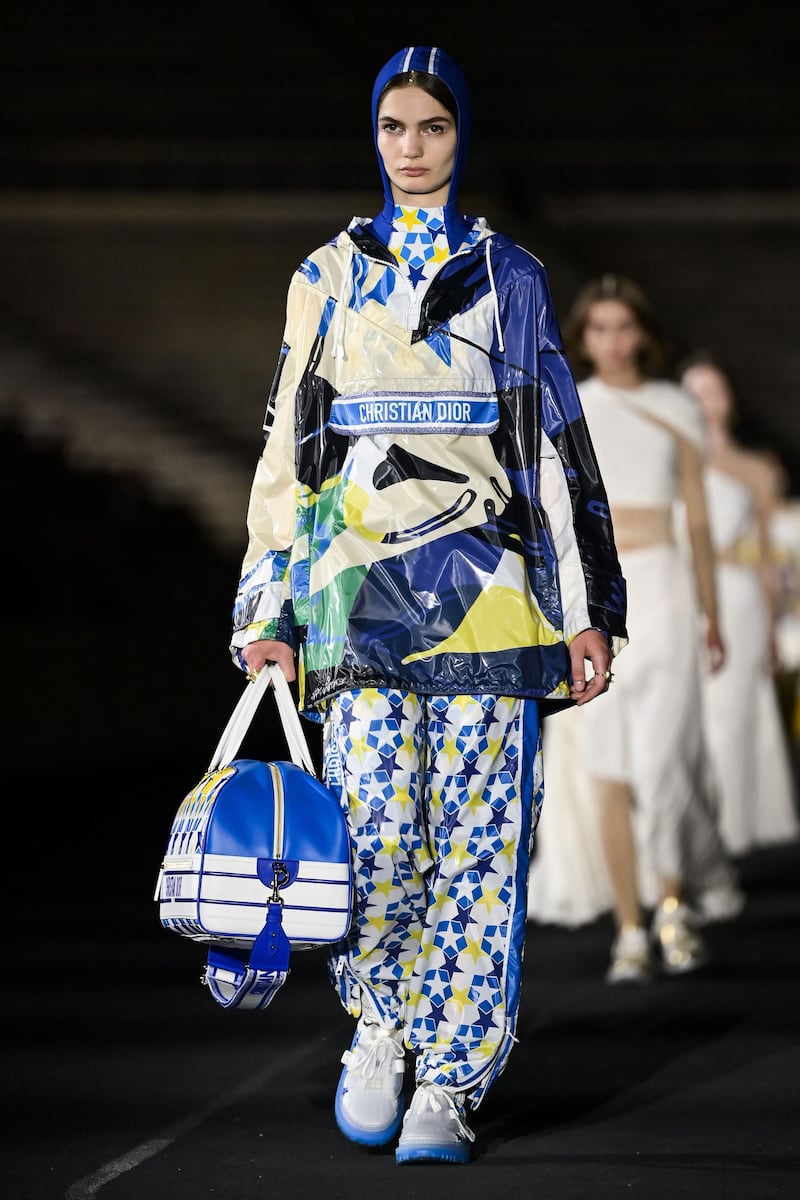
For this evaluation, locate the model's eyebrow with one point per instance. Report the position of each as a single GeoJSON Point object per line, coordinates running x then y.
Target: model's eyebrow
{"type": "Point", "coordinates": [437, 119]}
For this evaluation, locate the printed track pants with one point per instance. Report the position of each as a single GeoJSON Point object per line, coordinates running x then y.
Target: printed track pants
{"type": "Point", "coordinates": [442, 794]}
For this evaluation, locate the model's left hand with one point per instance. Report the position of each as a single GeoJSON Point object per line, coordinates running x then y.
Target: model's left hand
{"type": "Point", "coordinates": [715, 646]}
{"type": "Point", "coordinates": [589, 646]}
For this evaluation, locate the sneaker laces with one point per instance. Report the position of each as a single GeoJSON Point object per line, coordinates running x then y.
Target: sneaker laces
{"type": "Point", "coordinates": [374, 1051]}
{"type": "Point", "coordinates": [431, 1098]}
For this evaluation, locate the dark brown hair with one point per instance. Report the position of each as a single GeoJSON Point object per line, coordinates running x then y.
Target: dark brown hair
{"type": "Point", "coordinates": [431, 84]}
{"type": "Point", "coordinates": [701, 358]}
{"type": "Point", "coordinates": [653, 352]}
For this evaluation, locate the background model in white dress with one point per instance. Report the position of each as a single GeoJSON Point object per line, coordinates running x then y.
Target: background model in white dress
{"type": "Point", "coordinates": [744, 729]}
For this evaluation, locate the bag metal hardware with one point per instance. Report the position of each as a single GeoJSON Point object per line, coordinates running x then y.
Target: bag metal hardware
{"type": "Point", "coordinates": [280, 877]}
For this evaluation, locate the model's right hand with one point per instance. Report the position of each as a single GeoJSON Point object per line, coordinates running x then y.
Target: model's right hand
{"type": "Point", "coordinates": [258, 654]}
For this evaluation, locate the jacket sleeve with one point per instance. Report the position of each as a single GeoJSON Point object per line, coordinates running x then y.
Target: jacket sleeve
{"type": "Point", "coordinates": [263, 607]}
{"type": "Point", "coordinates": [573, 494]}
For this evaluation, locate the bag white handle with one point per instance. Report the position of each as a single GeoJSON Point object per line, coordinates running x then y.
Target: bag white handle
{"type": "Point", "coordinates": [244, 712]}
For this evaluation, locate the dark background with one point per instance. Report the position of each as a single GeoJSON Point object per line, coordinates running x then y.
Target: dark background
{"type": "Point", "coordinates": [163, 169]}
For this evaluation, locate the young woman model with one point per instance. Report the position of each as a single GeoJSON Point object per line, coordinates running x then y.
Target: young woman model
{"type": "Point", "coordinates": [430, 540]}
{"type": "Point", "coordinates": [744, 728]}
{"type": "Point", "coordinates": [642, 748]}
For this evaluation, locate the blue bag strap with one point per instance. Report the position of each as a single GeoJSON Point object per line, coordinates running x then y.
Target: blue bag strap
{"type": "Point", "coordinates": [250, 979]}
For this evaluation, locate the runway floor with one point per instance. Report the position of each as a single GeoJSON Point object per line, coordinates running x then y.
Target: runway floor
{"type": "Point", "coordinates": [124, 1079]}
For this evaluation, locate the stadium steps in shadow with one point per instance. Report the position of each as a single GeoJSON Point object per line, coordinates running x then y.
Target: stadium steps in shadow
{"type": "Point", "coordinates": [102, 426]}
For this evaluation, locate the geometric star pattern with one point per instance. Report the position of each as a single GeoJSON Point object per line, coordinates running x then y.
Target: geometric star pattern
{"type": "Point", "coordinates": [418, 241]}
{"type": "Point", "coordinates": [443, 795]}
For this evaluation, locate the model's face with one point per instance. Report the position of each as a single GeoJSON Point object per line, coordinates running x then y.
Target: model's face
{"type": "Point", "coordinates": [709, 387]}
{"type": "Point", "coordinates": [417, 142]}
{"type": "Point", "coordinates": [612, 337]}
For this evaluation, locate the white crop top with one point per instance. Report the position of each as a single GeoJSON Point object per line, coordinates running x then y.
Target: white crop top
{"type": "Point", "coordinates": [634, 433]}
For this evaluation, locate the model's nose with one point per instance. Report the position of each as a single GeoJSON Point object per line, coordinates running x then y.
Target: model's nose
{"type": "Point", "coordinates": [412, 145]}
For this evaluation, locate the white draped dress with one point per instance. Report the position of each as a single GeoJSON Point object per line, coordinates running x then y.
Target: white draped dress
{"type": "Point", "coordinates": [747, 742]}
{"type": "Point", "coordinates": [647, 728]}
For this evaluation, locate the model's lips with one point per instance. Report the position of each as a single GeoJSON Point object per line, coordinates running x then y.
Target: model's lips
{"type": "Point", "coordinates": [414, 172]}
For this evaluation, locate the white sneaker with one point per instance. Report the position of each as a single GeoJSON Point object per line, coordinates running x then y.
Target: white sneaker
{"type": "Point", "coordinates": [631, 959]}
{"type": "Point", "coordinates": [675, 930]}
{"type": "Point", "coordinates": [719, 904]}
{"type": "Point", "coordinates": [369, 1098]}
{"type": "Point", "coordinates": [434, 1129]}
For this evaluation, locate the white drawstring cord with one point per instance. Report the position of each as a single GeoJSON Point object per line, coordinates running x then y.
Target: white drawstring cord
{"type": "Point", "coordinates": [338, 332]}
{"type": "Point", "coordinates": [500, 343]}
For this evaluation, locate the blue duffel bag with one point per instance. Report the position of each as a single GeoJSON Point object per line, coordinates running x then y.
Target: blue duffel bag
{"type": "Point", "coordinates": [258, 860]}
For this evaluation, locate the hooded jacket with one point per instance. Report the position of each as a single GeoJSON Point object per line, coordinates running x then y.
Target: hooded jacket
{"type": "Point", "coordinates": [427, 512]}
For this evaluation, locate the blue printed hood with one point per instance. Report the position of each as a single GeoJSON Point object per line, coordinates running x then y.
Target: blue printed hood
{"type": "Point", "coordinates": [433, 61]}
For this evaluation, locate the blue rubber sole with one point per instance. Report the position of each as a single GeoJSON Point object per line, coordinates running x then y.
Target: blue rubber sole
{"type": "Point", "coordinates": [433, 1154]}
{"type": "Point", "coordinates": [365, 1137]}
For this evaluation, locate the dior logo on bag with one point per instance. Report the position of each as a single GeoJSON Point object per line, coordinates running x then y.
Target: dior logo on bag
{"type": "Point", "coordinates": [171, 887]}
